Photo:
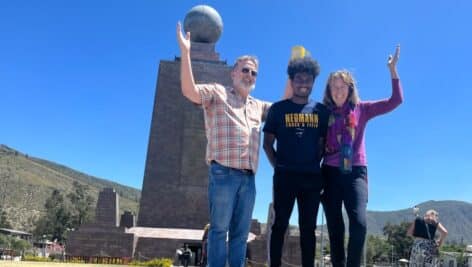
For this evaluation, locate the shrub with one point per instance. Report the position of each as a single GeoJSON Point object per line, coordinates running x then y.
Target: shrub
{"type": "Point", "coordinates": [35, 258]}
{"type": "Point", "coordinates": [161, 262]}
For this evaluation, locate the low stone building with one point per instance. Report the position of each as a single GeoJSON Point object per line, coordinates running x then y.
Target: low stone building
{"type": "Point", "coordinates": [105, 237]}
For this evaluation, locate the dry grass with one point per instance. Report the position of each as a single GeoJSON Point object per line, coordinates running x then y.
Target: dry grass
{"type": "Point", "coordinates": [52, 264]}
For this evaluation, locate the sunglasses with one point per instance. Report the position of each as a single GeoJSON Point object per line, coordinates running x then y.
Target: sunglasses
{"type": "Point", "coordinates": [247, 70]}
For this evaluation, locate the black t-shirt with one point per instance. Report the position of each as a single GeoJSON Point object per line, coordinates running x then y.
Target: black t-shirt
{"type": "Point", "coordinates": [421, 229]}
{"type": "Point", "coordinates": [299, 136]}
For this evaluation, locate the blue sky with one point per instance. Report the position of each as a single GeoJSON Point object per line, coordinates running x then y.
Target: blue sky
{"type": "Point", "coordinates": [77, 82]}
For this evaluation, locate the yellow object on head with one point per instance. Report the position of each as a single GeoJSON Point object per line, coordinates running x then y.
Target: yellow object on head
{"type": "Point", "coordinates": [299, 51]}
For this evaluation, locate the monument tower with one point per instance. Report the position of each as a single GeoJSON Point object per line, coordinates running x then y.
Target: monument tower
{"type": "Point", "coordinates": [174, 192]}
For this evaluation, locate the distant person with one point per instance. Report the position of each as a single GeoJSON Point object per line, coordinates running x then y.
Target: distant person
{"type": "Point", "coordinates": [425, 248]}
{"type": "Point", "coordinates": [248, 257]}
{"type": "Point", "coordinates": [204, 259]}
{"type": "Point", "coordinates": [185, 256]}
{"type": "Point", "coordinates": [345, 161]}
{"type": "Point", "coordinates": [298, 127]}
{"type": "Point", "coordinates": [233, 121]}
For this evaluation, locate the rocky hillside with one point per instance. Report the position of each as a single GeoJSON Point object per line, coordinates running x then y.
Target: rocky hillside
{"type": "Point", "coordinates": [26, 182]}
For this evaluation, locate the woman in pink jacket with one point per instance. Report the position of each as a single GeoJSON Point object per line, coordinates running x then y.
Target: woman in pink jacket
{"type": "Point", "coordinates": [345, 162]}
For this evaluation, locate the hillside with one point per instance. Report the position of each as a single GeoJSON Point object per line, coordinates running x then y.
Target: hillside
{"type": "Point", "coordinates": [26, 182]}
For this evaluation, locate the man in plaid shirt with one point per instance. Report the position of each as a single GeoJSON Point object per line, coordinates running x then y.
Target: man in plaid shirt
{"type": "Point", "coordinates": [233, 124]}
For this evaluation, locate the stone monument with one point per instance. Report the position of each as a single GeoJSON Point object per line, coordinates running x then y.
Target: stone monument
{"type": "Point", "coordinates": [103, 238]}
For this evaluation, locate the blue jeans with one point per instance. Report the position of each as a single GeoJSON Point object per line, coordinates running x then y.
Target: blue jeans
{"type": "Point", "coordinates": [231, 194]}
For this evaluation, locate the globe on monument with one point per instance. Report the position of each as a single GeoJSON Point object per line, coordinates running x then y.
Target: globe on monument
{"type": "Point", "coordinates": [204, 24]}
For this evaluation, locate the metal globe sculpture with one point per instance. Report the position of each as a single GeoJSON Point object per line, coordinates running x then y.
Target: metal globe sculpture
{"type": "Point", "coordinates": [204, 24]}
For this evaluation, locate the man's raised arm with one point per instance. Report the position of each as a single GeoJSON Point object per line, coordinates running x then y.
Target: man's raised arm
{"type": "Point", "coordinates": [189, 89]}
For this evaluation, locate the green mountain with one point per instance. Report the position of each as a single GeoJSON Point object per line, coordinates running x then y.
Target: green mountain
{"type": "Point", "coordinates": [26, 182]}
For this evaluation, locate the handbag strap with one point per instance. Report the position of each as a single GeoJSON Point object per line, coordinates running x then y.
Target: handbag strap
{"type": "Point", "coordinates": [427, 230]}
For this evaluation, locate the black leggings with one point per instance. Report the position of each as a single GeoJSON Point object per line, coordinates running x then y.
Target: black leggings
{"type": "Point", "coordinates": [350, 189]}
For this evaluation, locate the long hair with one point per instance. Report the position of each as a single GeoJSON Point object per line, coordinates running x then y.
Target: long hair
{"type": "Point", "coordinates": [348, 78]}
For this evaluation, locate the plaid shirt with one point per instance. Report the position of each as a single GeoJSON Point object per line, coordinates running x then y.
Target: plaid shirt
{"type": "Point", "coordinates": [232, 126]}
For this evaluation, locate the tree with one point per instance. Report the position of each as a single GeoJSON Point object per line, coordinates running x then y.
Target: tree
{"type": "Point", "coordinates": [57, 219]}
{"type": "Point", "coordinates": [4, 241]}
{"type": "Point", "coordinates": [4, 223]}
{"type": "Point", "coordinates": [19, 245]}
{"type": "Point", "coordinates": [82, 205]}
{"type": "Point", "coordinates": [378, 249]}
{"type": "Point", "coordinates": [397, 238]}
{"type": "Point", "coordinates": [458, 248]}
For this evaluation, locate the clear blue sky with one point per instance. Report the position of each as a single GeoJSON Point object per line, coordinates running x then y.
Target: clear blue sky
{"type": "Point", "coordinates": [77, 82]}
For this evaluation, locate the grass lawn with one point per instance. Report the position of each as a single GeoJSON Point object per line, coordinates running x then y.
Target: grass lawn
{"type": "Point", "coordinates": [7, 263]}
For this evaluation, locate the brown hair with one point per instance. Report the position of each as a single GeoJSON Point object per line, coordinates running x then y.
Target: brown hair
{"type": "Point", "coordinates": [347, 77]}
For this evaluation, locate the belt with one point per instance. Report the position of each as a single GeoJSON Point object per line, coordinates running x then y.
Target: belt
{"type": "Point", "coordinates": [245, 171]}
